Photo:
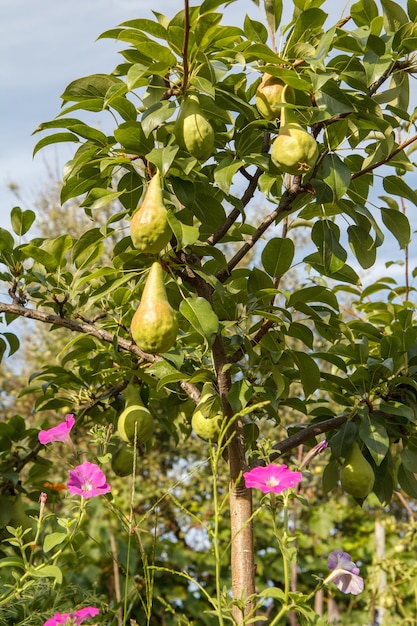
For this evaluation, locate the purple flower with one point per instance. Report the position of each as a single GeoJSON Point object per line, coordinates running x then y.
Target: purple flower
{"type": "Point", "coordinates": [276, 478]}
{"type": "Point", "coordinates": [344, 573]}
{"type": "Point", "coordinates": [73, 619]}
{"type": "Point", "coordinates": [58, 433]}
{"type": "Point", "coordinates": [87, 480]}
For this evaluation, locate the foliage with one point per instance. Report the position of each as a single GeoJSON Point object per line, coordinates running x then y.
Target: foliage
{"type": "Point", "coordinates": [288, 362]}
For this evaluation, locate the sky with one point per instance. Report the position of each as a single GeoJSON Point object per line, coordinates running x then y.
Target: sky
{"type": "Point", "coordinates": [44, 45]}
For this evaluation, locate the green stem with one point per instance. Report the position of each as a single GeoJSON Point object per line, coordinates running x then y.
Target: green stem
{"type": "Point", "coordinates": [71, 536]}
{"type": "Point", "coordinates": [217, 559]}
{"type": "Point", "coordinates": [284, 552]}
{"type": "Point", "coordinates": [283, 543]}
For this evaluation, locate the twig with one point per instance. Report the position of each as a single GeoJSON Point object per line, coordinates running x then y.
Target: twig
{"type": "Point", "coordinates": [284, 205]}
{"type": "Point", "coordinates": [185, 44]}
{"type": "Point", "coordinates": [247, 196]}
{"type": "Point", "coordinates": [391, 155]}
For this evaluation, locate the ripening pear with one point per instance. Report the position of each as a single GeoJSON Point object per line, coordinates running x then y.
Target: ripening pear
{"type": "Point", "coordinates": [135, 418]}
{"type": "Point", "coordinates": [294, 151]}
{"type": "Point", "coordinates": [357, 476]}
{"type": "Point", "coordinates": [149, 226]}
{"type": "Point", "coordinates": [154, 325]}
{"type": "Point", "coordinates": [207, 417]}
{"type": "Point", "coordinates": [192, 130]}
{"type": "Point", "coordinates": [270, 93]}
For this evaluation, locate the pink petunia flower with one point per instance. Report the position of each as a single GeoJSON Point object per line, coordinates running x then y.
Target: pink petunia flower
{"type": "Point", "coordinates": [87, 480]}
{"type": "Point", "coordinates": [276, 478]}
{"type": "Point", "coordinates": [72, 619]}
{"type": "Point", "coordinates": [58, 433]}
{"type": "Point", "coordinates": [344, 573]}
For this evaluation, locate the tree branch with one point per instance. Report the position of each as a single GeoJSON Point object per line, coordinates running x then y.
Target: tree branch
{"type": "Point", "coordinates": [247, 196]}
{"type": "Point", "coordinates": [89, 329]}
{"type": "Point", "coordinates": [392, 154]}
{"type": "Point", "coordinates": [285, 204]}
{"type": "Point", "coordinates": [306, 433]}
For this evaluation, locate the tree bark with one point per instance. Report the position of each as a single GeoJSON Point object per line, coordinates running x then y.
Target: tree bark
{"type": "Point", "coordinates": [242, 550]}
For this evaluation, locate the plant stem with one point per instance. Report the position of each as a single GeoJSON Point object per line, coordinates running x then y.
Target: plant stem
{"type": "Point", "coordinates": [214, 457]}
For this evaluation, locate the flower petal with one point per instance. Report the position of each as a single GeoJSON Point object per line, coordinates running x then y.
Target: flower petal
{"type": "Point", "coordinates": [57, 433]}
{"type": "Point", "coordinates": [276, 478]}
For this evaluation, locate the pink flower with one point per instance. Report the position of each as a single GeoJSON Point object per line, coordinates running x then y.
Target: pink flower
{"type": "Point", "coordinates": [72, 619]}
{"type": "Point", "coordinates": [276, 478]}
{"type": "Point", "coordinates": [344, 573]}
{"type": "Point", "coordinates": [58, 433]}
{"type": "Point", "coordinates": [87, 480]}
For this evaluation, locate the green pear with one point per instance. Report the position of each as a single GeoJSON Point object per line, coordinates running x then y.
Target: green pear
{"type": "Point", "coordinates": [207, 417]}
{"type": "Point", "coordinates": [149, 228]}
{"type": "Point", "coordinates": [294, 151]}
{"type": "Point", "coordinates": [357, 476]}
{"type": "Point", "coordinates": [270, 93]}
{"type": "Point", "coordinates": [154, 325]}
{"type": "Point", "coordinates": [135, 418]}
{"type": "Point", "coordinates": [192, 130]}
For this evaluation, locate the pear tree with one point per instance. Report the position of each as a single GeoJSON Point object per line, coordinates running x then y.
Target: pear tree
{"type": "Point", "coordinates": [217, 146]}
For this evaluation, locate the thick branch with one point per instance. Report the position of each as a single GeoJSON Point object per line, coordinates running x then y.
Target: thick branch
{"type": "Point", "coordinates": [307, 433]}
{"type": "Point", "coordinates": [89, 329]}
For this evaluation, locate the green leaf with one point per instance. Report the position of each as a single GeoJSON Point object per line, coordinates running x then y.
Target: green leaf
{"type": "Point", "coordinates": [255, 31]}
{"type": "Point", "coordinates": [6, 241]}
{"type": "Point", "coordinates": [12, 561]}
{"type": "Point", "coordinates": [364, 12]}
{"type": "Point", "coordinates": [394, 16]}
{"type": "Point", "coordinates": [335, 174]}
{"type": "Point", "coordinates": [407, 481]}
{"type": "Point", "coordinates": [55, 138]}
{"type": "Point", "coordinates": [273, 11]}
{"type": "Point", "coordinates": [325, 235]}
{"type": "Point", "coordinates": [334, 100]}
{"type": "Point", "coordinates": [93, 86]}
{"type": "Point", "coordinates": [163, 158]}
{"type": "Point", "coordinates": [13, 342]}
{"type": "Point", "coordinates": [21, 220]}
{"type": "Point", "coordinates": [375, 437]}
{"type": "Point", "coordinates": [88, 247]}
{"type": "Point", "coordinates": [130, 135]}
{"type": "Point", "coordinates": [362, 245]}
{"type": "Point", "coordinates": [225, 171]}
{"type": "Point", "coordinates": [278, 255]}
{"type": "Point", "coordinates": [39, 256]}
{"type": "Point", "coordinates": [185, 234]}
{"type": "Point", "coordinates": [309, 372]}
{"type": "Point", "coordinates": [48, 571]}
{"type": "Point", "coordinates": [199, 313]}
{"type": "Point", "coordinates": [398, 224]}
{"type": "Point", "coordinates": [156, 115]}
{"type": "Point", "coordinates": [409, 459]}
{"type": "Point", "coordinates": [52, 540]}
{"type": "Point", "coordinates": [398, 187]}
